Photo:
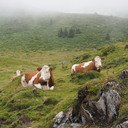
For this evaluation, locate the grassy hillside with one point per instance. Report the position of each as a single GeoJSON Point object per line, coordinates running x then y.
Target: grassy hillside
{"type": "Point", "coordinates": [20, 107]}
{"type": "Point", "coordinates": [40, 33]}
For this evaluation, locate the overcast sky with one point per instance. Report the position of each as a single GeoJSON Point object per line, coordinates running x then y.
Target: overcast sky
{"type": "Point", "coordinates": [105, 7]}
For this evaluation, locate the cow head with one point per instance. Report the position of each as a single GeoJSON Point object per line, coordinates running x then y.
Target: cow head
{"type": "Point", "coordinates": [45, 72]}
{"type": "Point", "coordinates": [97, 61]}
{"type": "Point", "coordinates": [18, 72]}
{"type": "Point", "coordinates": [45, 67]}
{"type": "Point", "coordinates": [46, 76]}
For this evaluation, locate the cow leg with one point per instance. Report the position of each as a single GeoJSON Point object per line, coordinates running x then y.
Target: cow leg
{"type": "Point", "coordinates": [48, 84]}
{"type": "Point", "coordinates": [52, 88]}
{"type": "Point", "coordinates": [38, 86]}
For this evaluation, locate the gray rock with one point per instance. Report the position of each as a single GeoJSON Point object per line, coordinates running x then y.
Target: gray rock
{"type": "Point", "coordinates": [105, 108]}
{"type": "Point", "coordinates": [59, 117]}
{"type": "Point", "coordinates": [122, 125]}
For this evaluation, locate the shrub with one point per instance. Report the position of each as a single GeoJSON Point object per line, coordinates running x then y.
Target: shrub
{"type": "Point", "coordinates": [81, 78]}
{"type": "Point", "coordinates": [108, 49]}
{"type": "Point", "coordinates": [80, 59]}
{"type": "Point", "coordinates": [126, 47]}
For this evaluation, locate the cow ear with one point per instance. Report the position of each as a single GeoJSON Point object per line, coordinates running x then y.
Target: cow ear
{"type": "Point", "coordinates": [39, 69]}
{"type": "Point", "coordinates": [51, 69]}
{"type": "Point", "coordinates": [102, 58]}
{"type": "Point", "coordinates": [93, 59]}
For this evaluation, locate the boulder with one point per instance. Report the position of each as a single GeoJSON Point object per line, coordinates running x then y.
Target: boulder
{"type": "Point", "coordinates": [104, 110]}
{"type": "Point", "coordinates": [122, 125]}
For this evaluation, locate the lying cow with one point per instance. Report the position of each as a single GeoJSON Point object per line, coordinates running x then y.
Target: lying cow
{"type": "Point", "coordinates": [94, 64]}
{"type": "Point", "coordinates": [18, 73]}
{"type": "Point", "coordinates": [42, 78]}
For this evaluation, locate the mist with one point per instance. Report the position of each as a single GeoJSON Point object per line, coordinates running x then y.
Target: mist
{"type": "Point", "coordinates": [103, 7]}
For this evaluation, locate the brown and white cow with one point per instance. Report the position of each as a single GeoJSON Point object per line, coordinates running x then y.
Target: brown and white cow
{"type": "Point", "coordinates": [95, 64]}
{"type": "Point", "coordinates": [42, 78]}
{"type": "Point", "coordinates": [18, 73]}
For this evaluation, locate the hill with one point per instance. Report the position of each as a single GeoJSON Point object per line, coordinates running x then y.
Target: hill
{"type": "Point", "coordinates": [28, 42]}
{"type": "Point", "coordinates": [20, 107]}
{"type": "Point", "coordinates": [40, 33]}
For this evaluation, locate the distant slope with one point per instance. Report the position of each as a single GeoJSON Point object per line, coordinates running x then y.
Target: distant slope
{"type": "Point", "coordinates": [40, 32]}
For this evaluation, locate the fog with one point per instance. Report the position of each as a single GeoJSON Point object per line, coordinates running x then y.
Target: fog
{"type": "Point", "coordinates": [103, 7]}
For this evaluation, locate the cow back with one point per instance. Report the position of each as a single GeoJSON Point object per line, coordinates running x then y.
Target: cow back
{"type": "Point", "coordinates": [28, 76]}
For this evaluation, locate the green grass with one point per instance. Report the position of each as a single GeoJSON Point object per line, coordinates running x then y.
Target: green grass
{"type": "Point", "coordinates": [30, 42]}
{"type": "Point", "coordinates": [36, 33]}
{"type": "Point", "coordinates": [20, 107]}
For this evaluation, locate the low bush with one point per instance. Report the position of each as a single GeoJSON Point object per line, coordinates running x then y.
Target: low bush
{"type": "Point", "coordinates": [81, 78]}
{"type": "Point", "coordinates": [107, 50]}
{"type": "Point", "coordinates": [126, 47]}
{"type": "Point", "coordinates": [80, 59]}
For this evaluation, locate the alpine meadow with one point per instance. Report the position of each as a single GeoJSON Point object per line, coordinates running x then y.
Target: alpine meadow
{"type": "Point", "coordinates": [61, 40]}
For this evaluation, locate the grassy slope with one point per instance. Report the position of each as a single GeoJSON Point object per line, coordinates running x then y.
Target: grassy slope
{"type": "Point", "coordinates": [25, 33]}
{"type": "Point", "coordinates": [33, 43]}
{"type": "Point", "coordinates": [23, 108]}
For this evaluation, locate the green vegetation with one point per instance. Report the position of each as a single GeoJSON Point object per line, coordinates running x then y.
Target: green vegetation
{"type": "Point", "coordinates": [28, 42]}
{"type": "Point", "coordinates": [40, 33]}
{"type": "Point", "coordinates": [81, 78]}
{"type": "Point", "coordinates": [21, 107]}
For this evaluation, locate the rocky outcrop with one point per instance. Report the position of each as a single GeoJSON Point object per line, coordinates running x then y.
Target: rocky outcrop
{"type": "Point", "coordinates": [62, 120]}
{"type": "Point", "coordinates": [124, 74]}
{"type": "Point", "coordinates": [105, 108]}
{"type": "Point", "coordinates": [101, 111]}
{"type": "Point", "coordinates": [122, 125]}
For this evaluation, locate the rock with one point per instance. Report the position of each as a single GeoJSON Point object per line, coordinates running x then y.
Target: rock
{"type": "Point", "coordinates": [62, 120]}
{"type": "Point", "coordinates": [122, 125]}
{"type": "Point", "coordinates": [76, 125]}
{"type": "Point", "coordinates": [100, 111]}
{"type": "Point", "coordinates": [58, 119]}
{"type": "Point", "coordinates": [105, 108]}
{"type": "Point", "coordinates": [124, 74]}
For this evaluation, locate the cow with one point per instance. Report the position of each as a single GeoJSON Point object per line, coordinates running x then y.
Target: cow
{"type": "Point", "coordinates": [18, 73]}
{"type": "Point", "coordinates": [42, 78]}
{"type": "Point", "coordinates": [94, 64]}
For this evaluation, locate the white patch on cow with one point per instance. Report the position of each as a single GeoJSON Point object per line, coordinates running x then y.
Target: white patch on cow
{"type": "Point", "coordinates": [23, 81]}
{"type": "Point", "coordinates": [30, 83]}
{"type": "Point", "coordinates": [45, 74]}
{"type": "Point", "coordinates": [38, 86]}
{"type": "Point", "coordinates": [98, 64]}
{"type": "Point", "coordinates": [74, 67]}
{"type": "Point", "coordinates": [52, 88]}
{"type": "Point", "coordinates": [18, 73]}
{"type": "Point", "coordinates": [86, 64]}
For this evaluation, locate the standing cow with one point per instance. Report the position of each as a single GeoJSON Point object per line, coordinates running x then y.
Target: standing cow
{"type": "Point", "coordinates": [42, 78]}
{"type": "Point", "coordinates": [94, 64]}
